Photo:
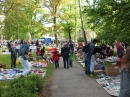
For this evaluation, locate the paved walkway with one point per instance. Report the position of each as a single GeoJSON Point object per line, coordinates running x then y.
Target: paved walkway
{"type": "Point", "coordinates": [73, 82]}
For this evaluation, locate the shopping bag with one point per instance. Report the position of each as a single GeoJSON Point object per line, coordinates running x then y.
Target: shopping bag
{"type": "Point", "coordinates": [25, 56]}
{"type": "Point", "coordinates": [92, 63]}
{"type": "Point", "coordinates": [17, 61]}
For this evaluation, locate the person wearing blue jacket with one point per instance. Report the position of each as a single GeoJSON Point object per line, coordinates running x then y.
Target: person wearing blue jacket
{"type": "Point", "coordinates": [88, 56]}
{"type": "Point", "coordinates": [24, 48]}
{"type": "Point", "coordinates": [125, 76]}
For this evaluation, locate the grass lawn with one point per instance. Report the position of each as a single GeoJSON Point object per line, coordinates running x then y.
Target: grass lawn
{"type": "Point", "coordinates": [5, 59]}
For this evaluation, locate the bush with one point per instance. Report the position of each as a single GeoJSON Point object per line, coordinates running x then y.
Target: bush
{"type": "Point", "coordinates": [80, 39]}
{"type": "Point", "coordinates": [24, 87]}
{"type": "Point", "coordinates": [1, 90]}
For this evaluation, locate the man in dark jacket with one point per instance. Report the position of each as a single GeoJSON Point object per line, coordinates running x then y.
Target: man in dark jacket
{"type": "Point", "coordinates": [9, 45]}
{"type": "Point", "coordinates": [88, 56]}
{"type": "Point", "coordinates": [13, 51]}
{"type": "Point", "coordinates": [65, 54]}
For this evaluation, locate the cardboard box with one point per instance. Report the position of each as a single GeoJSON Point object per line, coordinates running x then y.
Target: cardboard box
{"type": "Point", "coordinates": [3, 66]}
{"type": "Point", "coordinates": [98, 71]}
{"type": "Point", "coordinates": [111, 70]}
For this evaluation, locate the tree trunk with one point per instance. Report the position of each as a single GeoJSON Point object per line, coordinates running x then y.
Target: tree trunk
{"type": "Point", "coordinates": [84, 34]}
{"type": "Point", "coordinates": [55, 32]}
{"type": "Point", "coordinates": [69, 36]}
{"type": "Point", "coordinates": [32, 36]}
{"type": "Point", "coordinates": [55, 27]}
{"type": "Point", "coordinates": [75, 21]}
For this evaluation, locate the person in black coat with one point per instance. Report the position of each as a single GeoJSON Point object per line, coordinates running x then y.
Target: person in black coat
{"type": "Point", "coordinates": [13, 51]}
{"type": "Point", "coordinates": [37, 44]}
{"type": "Point", "coordinates": [97, 49]}
{"type": "Point", "coordinates": [65, 54]}
{"type": "Point", "coordinates": [42, 52]}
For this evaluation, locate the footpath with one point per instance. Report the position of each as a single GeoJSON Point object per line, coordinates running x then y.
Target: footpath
{"type": "Point", "coordinates": [73, 82]}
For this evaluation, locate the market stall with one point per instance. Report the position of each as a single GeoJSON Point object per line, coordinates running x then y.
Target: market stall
{"type": "Point", "coordinates": [111, 84]}
{"type": "Point", "coordinates": [7, 74]}
{"type": "Point", "coordinates": [52, 49]}
{"type": "Point", "coordinates": [108, 74]}
{"type": "Point", "coordinates": [36, 68]}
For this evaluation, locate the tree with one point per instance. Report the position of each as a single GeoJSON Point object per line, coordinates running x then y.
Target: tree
{"type": "Point", "coordinates": [68, 29]}
{"type": "Point", "coordinates": [21, 18]}
{"type": "Point", "coordinates": [109, 17]}
{"type": "Point", "coordinates": [54, 7]}
{"type": "Point", "coordinates": [84, 35]}
{"type": "Point", "coordinates": [70, 19]}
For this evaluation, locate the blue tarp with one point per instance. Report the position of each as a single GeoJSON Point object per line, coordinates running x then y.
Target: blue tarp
{"type": "Point", "coordinates": [47, 40]}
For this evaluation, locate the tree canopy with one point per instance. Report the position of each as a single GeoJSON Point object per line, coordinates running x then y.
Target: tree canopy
{"type": "Point", "coordinates": [110, 18]}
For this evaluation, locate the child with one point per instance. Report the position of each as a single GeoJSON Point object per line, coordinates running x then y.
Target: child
{"type": "Point", "coordinates": [38, 52]}
{"type": "Point", "coordinates": [71, 58]}
{"type": "Point", "coordinates": [56, 57]}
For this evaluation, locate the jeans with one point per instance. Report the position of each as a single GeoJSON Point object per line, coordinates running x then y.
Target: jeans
{"type": "Point", "coordinates": [72, 49]}
{"type": "Point", "coordinates": [13, 61]}
{"type": "Point", "coordinates": [87, 63]}
{"type": "Point", "coordinates": [25, 65]}
{"type": "Point", "coordinates": [70, 63]}
{"type": "Point", "coordinates": [56, 64]}
{"type": "Point", "coordinates": [66, 63]}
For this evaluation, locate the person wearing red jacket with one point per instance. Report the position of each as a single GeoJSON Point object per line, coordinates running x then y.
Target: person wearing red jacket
{"type": "Point", "coordinates": [56, 58]}
{"type": "Point", "coordinates": [38, 52]}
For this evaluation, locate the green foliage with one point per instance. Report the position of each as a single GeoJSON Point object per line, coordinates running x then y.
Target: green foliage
{"type": "Point", "coordinates": [110, 18]}
{"type": "Point", "coordinates": [29, 16]}
{"type": "Point", "coordinates": [80, 39]}
{"type": "Point", "coordinates": [22, 18]}
{"type": "Point", "coordinates": [24, 87]}
{"type": "Point", "coordinates": [107, 64]}
{"type": "Point", "coordinates": [68, 29]}
{"type": "Point", "coordinates": [70, 20]}
{"type": "Point", "coordinates": [1, 90]}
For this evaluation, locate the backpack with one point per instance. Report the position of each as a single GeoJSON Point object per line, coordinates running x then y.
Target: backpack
{"type": "Point", "coordinates": [86, 48]}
